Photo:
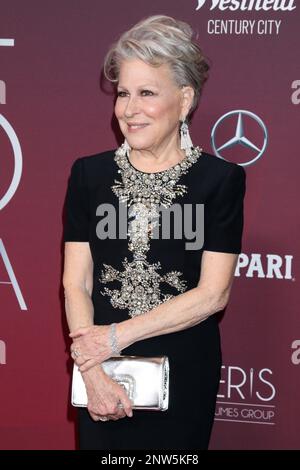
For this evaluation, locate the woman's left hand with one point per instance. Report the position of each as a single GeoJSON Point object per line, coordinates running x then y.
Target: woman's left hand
{"type": "Point", "coordinates": [90, 346]}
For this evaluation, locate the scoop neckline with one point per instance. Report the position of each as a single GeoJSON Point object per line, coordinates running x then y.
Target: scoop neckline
{"type": "Point", "coordinates": [154, 172]}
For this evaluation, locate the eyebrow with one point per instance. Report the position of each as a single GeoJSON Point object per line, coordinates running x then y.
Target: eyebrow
{"type": "Point", "coordinates": [141, 86]}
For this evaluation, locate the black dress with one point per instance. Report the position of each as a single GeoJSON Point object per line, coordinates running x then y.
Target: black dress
{"type": "Point", "coordinates": [194, 353]}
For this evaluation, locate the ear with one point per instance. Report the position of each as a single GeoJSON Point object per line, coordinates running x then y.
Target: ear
{"type": "Point", "coordinates": [187, 100]}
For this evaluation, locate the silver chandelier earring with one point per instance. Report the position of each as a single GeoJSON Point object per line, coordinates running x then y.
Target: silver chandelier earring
{"type": "Point", "coordinates": [124, 149]}
{"type": "Point", "coordinates": [186, 143]}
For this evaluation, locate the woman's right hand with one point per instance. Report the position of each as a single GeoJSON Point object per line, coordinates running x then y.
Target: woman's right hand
{"type": "Point", "coordinates": [106, 398]}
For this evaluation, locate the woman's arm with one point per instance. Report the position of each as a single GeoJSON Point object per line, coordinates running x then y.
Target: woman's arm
{"type": "Point", "coordinates": [179, 313]}
{"type": "Point", "coordinates": [187, 309]}
{"type": "Point", "coordinates": [103, 393]}
{"type": "Point", "coordinates": [78, 285]}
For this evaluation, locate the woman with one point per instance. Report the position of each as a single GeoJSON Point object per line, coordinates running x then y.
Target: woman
{"type": "Point", "coordinates": [169, 309]}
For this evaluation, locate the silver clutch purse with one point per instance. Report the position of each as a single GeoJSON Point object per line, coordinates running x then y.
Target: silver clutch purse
{"type": "Point", "coordinates": [145, 379]}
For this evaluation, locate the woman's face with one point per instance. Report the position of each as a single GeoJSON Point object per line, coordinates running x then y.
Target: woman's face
{"type": "Point", "coordinates": [149, 105]}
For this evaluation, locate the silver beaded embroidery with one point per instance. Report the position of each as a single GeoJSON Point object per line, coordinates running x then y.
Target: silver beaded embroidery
{"type": "Point", "coordinates": [144, 192]}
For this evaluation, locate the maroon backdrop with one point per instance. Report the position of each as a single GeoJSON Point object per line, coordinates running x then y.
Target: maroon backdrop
{"type": "Point", "coordinates": [53, 111]}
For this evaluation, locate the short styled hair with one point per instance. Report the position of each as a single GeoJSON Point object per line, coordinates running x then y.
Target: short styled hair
{"type": "Point", "coordinates": [157, 40]}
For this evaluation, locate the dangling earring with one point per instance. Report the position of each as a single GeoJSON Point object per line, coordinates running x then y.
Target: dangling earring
{"type": "Point", "coordinates": [124, 149]}
{"type": "Point", "coordinates": [186, 143]}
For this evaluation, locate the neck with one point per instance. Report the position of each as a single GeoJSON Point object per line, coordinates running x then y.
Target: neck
{"type": "Point", "coordinates": [160, 157]}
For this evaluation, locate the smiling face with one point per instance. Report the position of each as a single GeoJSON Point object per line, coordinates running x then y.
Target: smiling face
{"type": "Point", "coordinates": [150, 105]}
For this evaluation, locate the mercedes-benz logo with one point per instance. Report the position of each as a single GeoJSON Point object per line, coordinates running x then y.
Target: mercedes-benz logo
{"type": "Point", "coordinates": [239, 138]}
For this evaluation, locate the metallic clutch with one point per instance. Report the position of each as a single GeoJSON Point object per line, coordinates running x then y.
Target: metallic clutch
{"type": "Point", "coordinates": [145, 379]}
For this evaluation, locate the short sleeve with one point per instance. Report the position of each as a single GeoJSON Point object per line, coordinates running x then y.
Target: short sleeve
{"type": "Point", "coordinates": [76, 225]}
{"type": "Point", "coordinates": [224, 214]}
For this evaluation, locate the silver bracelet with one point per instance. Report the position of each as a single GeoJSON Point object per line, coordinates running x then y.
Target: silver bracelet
{"type": "Point", "coordinates": [113, 340]}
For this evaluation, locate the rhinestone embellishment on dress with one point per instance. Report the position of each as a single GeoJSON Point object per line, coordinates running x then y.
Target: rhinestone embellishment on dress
{"type": "Point", "coordinates": [140, 280]}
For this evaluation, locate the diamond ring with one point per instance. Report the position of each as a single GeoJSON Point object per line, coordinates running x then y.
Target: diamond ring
{"type": "Point", "coordinates": [103, 418]}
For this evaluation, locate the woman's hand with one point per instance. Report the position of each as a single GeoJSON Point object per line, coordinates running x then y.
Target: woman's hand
{"type": "Point", "coordinates": [106, 398]}
{"type": "Point", "coordinates": [91, 346]}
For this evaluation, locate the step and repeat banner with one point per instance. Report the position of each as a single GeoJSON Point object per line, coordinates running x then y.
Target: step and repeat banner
{"type": "Point", "coordinates": [53, 110]}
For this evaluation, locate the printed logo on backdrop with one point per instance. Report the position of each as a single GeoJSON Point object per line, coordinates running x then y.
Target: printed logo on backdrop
{"type": "Point", "coordinates": [245, 26]}
{"type": "Point", "coordinates": [295, 357]}
{"type": "Point", "coordinates": [269, 266]}
{"type": "Point", "coordinates": [246, 396]}
{"type": "Point", "coordinates": [2, 352]}
{"type": "Point", "coordinates": [6, 194]}
{"type": "Point", "coordinates": [295, 97]}
{"type": "Point", "coordinates": [17, 152]}
{"type": "Point", "coordinates": [240, 137]}
{"type": "Point", "coordinates": [14, 141]}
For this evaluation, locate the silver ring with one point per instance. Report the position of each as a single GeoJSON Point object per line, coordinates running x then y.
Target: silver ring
{"type": "Point", "coordinates": [76, 353]}
{"type": "Point", "coordinates": [120, 405]}
{"type": "Point", "coordinates": [103, 419]}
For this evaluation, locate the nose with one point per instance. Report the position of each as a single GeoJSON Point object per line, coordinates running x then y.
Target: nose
{"type": "Point", "coordinates": [132, 107]}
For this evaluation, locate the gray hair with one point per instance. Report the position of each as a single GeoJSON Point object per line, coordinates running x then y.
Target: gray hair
{"type": "Point", "coordinates": [157, 40]}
